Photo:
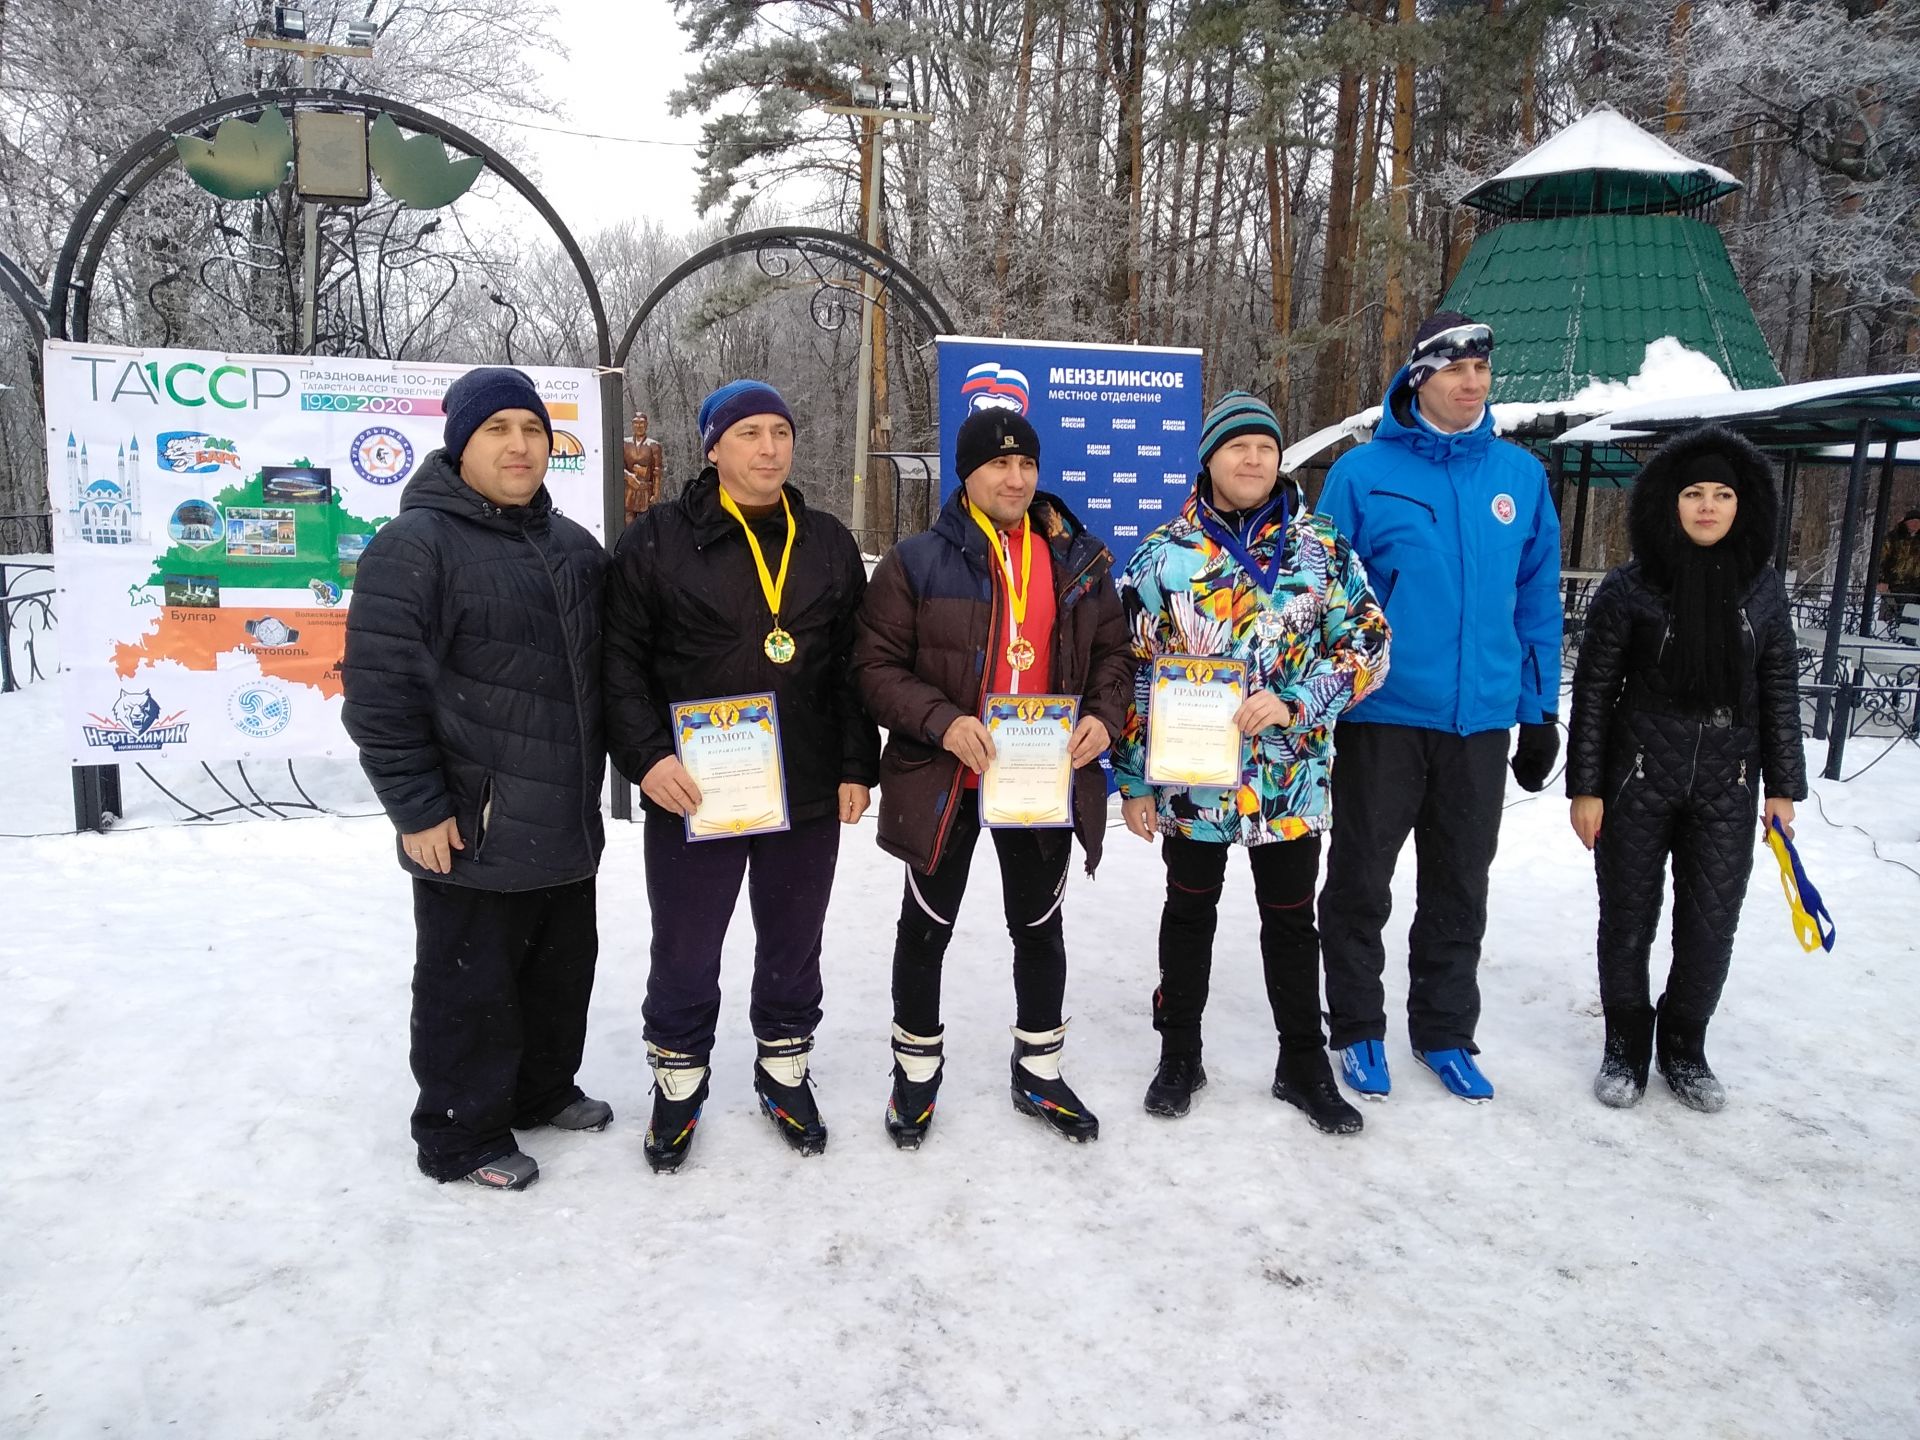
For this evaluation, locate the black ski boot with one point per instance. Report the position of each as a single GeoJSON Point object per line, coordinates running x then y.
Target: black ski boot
{"type": "Point", "coordinates": [1623, 1062]}
{"type": "Point", "coordinates": [1170, 1092]}
{"type": "Point", "coordinates": [910, 1106]}
{"type": "Point", "coordinates": [1304, 1078]}
{"type": "Point", "coordinates": [1680, 1050]}
{"type": "Point", "coordinates": [1046, 1096]}
{"type": "Point", "coordinates": [670, 1131]}
{"type": "Point", "coordinates": [789, 1104]}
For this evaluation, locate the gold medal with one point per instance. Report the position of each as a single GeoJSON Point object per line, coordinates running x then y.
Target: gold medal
{"type": "Point", "coordinates": [778, 644]}
{"type": "Point", "coordinates": [1019, 649]}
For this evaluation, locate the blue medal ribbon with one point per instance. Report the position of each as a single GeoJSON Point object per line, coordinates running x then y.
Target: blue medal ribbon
{"type": "Point", "coordinates": [1237, 545]}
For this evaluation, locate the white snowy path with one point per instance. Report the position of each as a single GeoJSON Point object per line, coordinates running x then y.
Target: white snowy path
{"type": "Point", "coordinates": [212, 1226]}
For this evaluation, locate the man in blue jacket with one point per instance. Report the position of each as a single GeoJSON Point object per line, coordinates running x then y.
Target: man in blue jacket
{"type": "Point", "coordinates": [1462, 545]}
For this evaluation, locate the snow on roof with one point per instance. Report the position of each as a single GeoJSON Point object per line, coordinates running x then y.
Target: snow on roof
{"type": "Point", "coordinates": [1667, 368]}
{"type": "Point", "coordinates": [1638, 421]}
{"type": "Point", "coordinates": [1354, 427]}
{"type": "Point", "coordinates": [1604, 139]}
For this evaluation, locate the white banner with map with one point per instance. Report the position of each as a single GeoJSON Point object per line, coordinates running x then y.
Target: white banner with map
{"type": "Point", "coordinates": [209, 512]}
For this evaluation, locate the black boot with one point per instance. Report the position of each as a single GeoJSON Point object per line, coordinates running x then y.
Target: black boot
{"type": "Point", "coordinates": [1046, 1096]}
{"type": "Point", "coordinates": [1170, 1092]}
{"type": "Point", "coordinates": [910, 1107]}
{"type": "Point", "coordinates": [1623, 1063]}
{"type": "Point", "coordinates": [1680, 1050]}
{"type": "Point", "coordinates": [790, 1104]}
{"type": "Point", "coordinates": [1304, 1078]}
{"type": "Point", "coordinates": [670, 1131]}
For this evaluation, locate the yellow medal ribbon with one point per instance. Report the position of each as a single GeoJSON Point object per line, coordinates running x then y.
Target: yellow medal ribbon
{"type": "Point", "coordinates": [779, 644]}
{"type": "Point", "coordinates": [1020, 653]}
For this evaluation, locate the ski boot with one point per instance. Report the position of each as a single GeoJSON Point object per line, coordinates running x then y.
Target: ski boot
{"type": "Point", "coordinates": [1039, 1091]}
{"type": "Point", "coordinates": [679, 1090]}
{"type": "Point", "coordinates": [1456, 1071]}
{"type": "Point", "coordinates": [919, 1062]}
{"type": "Point", "coordinates": [1363, 1065]}
{"type": "Point", "coordinates": [780, 1079]}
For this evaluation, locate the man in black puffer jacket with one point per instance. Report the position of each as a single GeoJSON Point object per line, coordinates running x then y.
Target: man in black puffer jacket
{"type": "Point", "coordinates": [1686, 711]}
{"type": "Point", "coordinates": [472, 680]}
{"type": "Point", "coordinates": [738, 586]}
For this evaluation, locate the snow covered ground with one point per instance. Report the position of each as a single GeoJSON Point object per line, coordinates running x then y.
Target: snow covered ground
{"type": "Point", "coordinates": [212, 1225]}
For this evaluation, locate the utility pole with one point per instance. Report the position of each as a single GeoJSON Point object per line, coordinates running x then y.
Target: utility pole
{"type": "Point", "coordinates": [874, 105]}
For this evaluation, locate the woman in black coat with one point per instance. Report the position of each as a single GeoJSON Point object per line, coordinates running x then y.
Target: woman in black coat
{"type": "Point", "coordinates": [1686, 710]}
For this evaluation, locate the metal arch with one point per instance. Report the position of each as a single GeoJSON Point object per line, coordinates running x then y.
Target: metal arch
{"type": "Point", "coordinates": [32, 305]}
{"type": "Point", "coordinates": [808, 241]}
{"type": "Point", "coordinates": [100, 212]}
{"type": "Point", "coordinates": [24, 294]}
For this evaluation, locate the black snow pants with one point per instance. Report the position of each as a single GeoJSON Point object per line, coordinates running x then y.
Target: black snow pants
{"type": "Point", "coordinates": [1033, 883]}
{"type": "Point", "coordinates": [1689, 789]}
{"type": "Point", "coordinates": [1447, 789]}
{"type": "Point", "coordinates": [501, 982]}
{"type": "Point", "coordinates": [1284, 872]}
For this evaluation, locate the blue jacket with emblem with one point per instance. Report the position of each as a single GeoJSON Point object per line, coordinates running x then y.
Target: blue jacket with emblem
{"type": "Point", "coordinates": [1462, 545]}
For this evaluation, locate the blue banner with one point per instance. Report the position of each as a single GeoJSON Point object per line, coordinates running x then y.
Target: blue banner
{"type": "Point", "coordinates": [1119, 425]}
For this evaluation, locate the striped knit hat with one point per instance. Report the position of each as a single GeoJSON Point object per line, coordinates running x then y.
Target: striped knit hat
{"type": "Point", "coordinates": [1236, 413]}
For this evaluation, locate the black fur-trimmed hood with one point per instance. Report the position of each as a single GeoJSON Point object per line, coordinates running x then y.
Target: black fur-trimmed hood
{"type": "Point", "coordinates": [1653, 518]}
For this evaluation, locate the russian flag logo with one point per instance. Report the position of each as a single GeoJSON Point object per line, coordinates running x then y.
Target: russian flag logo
{"type": "Point", "coordinates": [990, 386]}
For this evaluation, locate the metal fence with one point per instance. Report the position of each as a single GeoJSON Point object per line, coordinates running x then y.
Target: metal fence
{"type": "Point", "coordinates": [26, 619]}
{"type": "Point", "coordinates": [1875, 693]}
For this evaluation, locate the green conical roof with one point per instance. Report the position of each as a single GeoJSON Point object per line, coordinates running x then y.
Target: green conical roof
{"type": "Point", "coordinates": [1578, 299]}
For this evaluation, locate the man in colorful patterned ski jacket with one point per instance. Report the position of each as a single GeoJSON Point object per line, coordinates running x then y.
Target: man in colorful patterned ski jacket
{"type": "Point", "coordinates": [1246, 572]}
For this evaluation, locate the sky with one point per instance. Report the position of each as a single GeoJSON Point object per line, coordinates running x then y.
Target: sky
{"type": "Point", "coordinates": [623, 62]}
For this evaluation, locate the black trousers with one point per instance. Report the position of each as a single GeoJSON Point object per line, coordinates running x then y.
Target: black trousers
{"type": "Point", "coordinates": [692, 887]}
{"type": "Point", "coordinates": [1033, 885]}
{"type": "Point", "coordinates": [1697, 802]}
{"type": "Point", "coordinates": [1447, 790]}
{"type": "Point", "coordinates": [1284, 873]}
{"type": "Point", "coordinates": [501, 983]}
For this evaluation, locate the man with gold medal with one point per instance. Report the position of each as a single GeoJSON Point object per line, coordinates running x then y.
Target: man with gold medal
{"type": "Point", "coordinates": [734, 588]}
{"type": "Point", "coordinates": [1007, 594]}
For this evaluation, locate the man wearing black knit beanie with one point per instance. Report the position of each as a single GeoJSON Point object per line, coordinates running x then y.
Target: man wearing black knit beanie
{"type": "Point", "coordinates": [472, 687]}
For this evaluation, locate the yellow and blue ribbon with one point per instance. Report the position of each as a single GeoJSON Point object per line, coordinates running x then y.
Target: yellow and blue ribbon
{"type": "Point", "coordinates": [1813, 927]}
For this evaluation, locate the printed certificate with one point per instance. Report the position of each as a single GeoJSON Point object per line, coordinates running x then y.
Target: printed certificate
{"type": "Point", "coordinates": [1029, 782]}
{"type": "Point", "coordinates": [1191, 737]}
{"type": "Point", "coordinates": [731, 747]}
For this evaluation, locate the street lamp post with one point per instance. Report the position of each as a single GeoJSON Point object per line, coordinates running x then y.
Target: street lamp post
{"type": "Point", "coordinates": [290, 27]}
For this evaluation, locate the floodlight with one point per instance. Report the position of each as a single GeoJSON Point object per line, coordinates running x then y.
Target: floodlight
{"type": "Point", "coordinates": [362, 32]}
{"type": "Point", "coordinates": [290, 22]}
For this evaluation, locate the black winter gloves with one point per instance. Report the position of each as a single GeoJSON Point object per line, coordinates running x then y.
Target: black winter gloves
{"type": "Point", "coordinates": [1533, 757]}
